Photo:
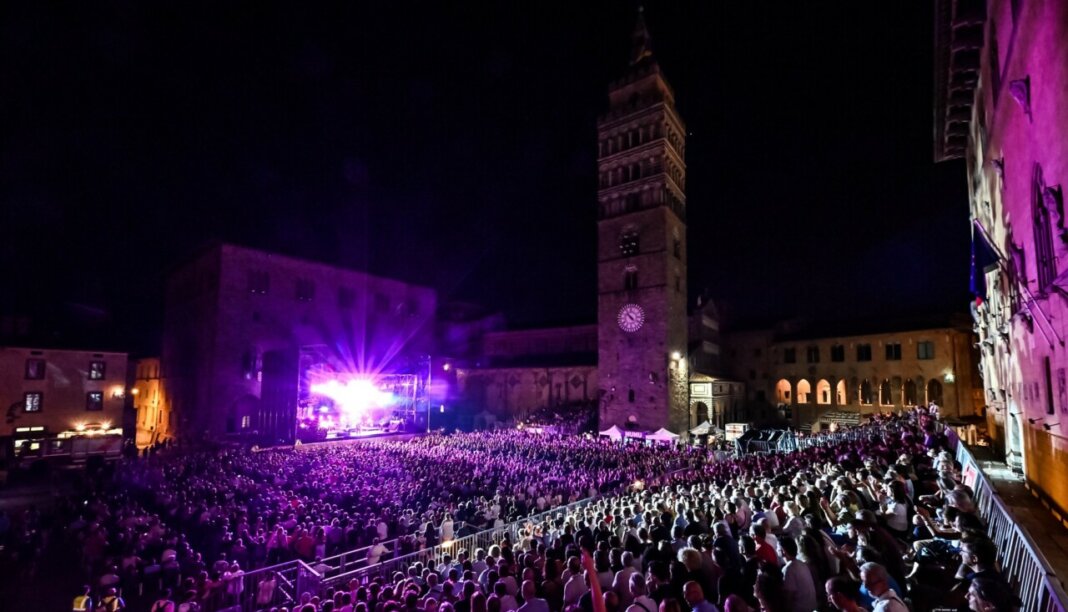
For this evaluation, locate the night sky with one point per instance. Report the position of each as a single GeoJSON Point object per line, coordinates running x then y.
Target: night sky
{"type": "Point", "coordinates": [455, 146]}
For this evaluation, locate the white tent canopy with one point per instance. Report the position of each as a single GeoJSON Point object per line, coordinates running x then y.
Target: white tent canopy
{"type": "Point", "coordinates": [613, 432]}
{"type": "Point", "coordinates": [662, 435]}
{"type": "Point", "coordinates": [702, 429]}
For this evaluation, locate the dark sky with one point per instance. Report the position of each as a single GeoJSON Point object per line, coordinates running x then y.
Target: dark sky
{"type": "Point", "coordinates": [454, 145]}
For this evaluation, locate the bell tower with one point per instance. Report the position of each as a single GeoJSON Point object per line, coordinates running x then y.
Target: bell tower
{"type": "Point", "coordinates": [641, 249]}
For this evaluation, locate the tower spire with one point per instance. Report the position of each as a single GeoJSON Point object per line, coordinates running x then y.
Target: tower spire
{"type": "Point", "coordinates": [641, 42]}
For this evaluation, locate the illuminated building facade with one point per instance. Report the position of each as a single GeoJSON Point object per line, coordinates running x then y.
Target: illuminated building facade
{"type": "Point", "coordinates": [240, 323]}
{"type": "Point", "coordinates": [807, 376]}
{"type": "Point", "coordinates": [154, 419]}
{"type": "Point", "coordinates": [641, 250]}
{"type": "Point", "coordinates": [1001, 104]}
{"type": "Point", "coordinates": [47, 392]}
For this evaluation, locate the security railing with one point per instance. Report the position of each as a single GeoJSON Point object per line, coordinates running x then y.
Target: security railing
{"type": "Point", "coordinates": [1028, 571]}
{"type": "Point", "coordinates": [484, 539]}
{"type": "Point", "coordinates": [284, 583]}
{"type": "Point", "coordinates": [277, 585]}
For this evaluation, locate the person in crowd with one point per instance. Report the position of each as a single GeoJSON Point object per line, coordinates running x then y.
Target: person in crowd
{"type": "Point", "coordinates": [877, 581]}
{"type": "Point", "coordinates": [843, 594]}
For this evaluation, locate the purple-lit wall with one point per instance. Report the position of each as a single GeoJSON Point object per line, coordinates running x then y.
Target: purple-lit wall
{"type": "Point", "coordinates": [232, 306]}
{"type": "Point", "coordinates": [1017, 163]}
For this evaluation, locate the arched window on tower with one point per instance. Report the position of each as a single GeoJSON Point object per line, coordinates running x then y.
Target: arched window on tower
{"type": "Point", "coordinates": [630, 278]}
{"type": "Point", "coordinates": [629, 244]}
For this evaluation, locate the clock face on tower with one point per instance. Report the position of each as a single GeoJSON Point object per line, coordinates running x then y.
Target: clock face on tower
{"type": "Point", "coordinates": [631, 317]}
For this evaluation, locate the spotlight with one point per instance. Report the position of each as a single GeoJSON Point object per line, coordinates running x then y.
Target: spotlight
{"type": "Point", "coordinates": [1047, 426]}
{"type": "Point", "coordinates": [676, 355]}
{"type": "Point", "coordinates": [1034, 420]}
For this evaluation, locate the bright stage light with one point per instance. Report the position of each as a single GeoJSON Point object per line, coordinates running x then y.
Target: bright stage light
{"type": "Point", "coordinates": [356, 398]}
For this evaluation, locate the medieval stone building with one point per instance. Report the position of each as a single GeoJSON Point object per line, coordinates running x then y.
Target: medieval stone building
{"type": "Point", "coordinates": [1001, 104]}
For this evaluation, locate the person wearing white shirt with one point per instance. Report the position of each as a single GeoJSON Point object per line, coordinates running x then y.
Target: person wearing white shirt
{"type": "Point", "coordinates": [639, 593]}
{"type": "Point", "coordinates": [877, 581]}
{"type": "Point", "coordinates": [797, 580]}
{"type": "Point", "coordinates": [375, 554]}
{"type": "Point", "coordinates": [575, 588]}
{"type": "Point", "coordinates": [621, 582]}
{"type": "Point", "coordinates": [446, 528]}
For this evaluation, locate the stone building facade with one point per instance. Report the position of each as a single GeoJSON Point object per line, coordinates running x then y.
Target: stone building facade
{"type": "Point", "coordinates": [238, 321]}
{"type": "Point", "coordinates": [1001, 104]}
{"type": "Point", "coordinates": [45, 392]}
{"type": "Point", "coordinates": [806, 376]}
{"type": "Point", "coordinates": [155, 421]}
{"type": "Point", "coordinates": [514, 393]}
{"type": "Point", "coordinates": [641, 250]}
{"type": "Point", "coordinates": [525, 370]}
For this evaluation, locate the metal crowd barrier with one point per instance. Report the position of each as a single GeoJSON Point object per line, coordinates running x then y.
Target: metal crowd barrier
{"type": "Point", "coordinates": [293, 578]}
{"type": "Point", "coordinates": [1023, 564]}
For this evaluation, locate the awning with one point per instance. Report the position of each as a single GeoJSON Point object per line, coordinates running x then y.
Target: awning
{"type": "Point", "coordinates": [662, 435]}
{"type": "Point", "coordinates": [703, 429]}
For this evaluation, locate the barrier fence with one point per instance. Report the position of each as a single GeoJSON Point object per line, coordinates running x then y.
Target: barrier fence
{"type": "Point", "coordinates": [1023, 564]}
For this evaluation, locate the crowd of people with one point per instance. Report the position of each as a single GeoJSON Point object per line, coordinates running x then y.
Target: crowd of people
{"type": "Point", "coordinates": [195, 522]}
{"type": "Point", "coordinates": [878, 521]}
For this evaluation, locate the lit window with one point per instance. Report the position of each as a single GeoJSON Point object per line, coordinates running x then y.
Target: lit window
{"type": "Point", "coordinates": [94, 401]}
{"type": "Point", "coordinates": [32, 401]}
{"type": "Point", "coordinates": [97, 370]}
{"type": "Point", "coordinates": [246, 421]}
